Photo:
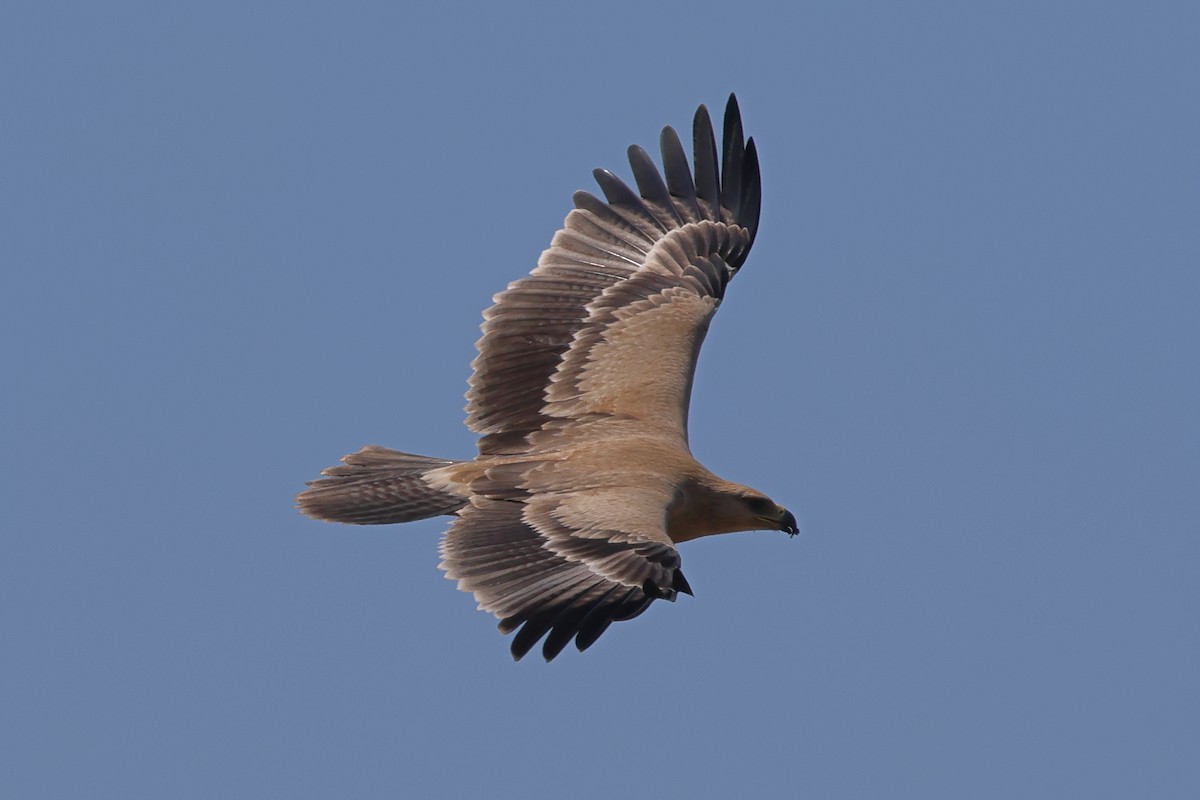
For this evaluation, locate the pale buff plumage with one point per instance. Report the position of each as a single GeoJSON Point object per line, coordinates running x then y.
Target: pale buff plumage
{"type": "Point", "coordinates": [568, 517]}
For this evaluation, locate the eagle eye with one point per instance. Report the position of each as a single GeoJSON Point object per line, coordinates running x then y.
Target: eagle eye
{"type": "Point", "coordinates": [761, 506]}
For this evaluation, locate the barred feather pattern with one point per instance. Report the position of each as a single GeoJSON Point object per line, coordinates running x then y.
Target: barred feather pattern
{"type": "Point", "coordinates": [378, 486]}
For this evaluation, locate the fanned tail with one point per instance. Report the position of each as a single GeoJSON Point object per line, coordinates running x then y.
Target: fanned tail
{"type": "Point", "coordinates": [378, 486]}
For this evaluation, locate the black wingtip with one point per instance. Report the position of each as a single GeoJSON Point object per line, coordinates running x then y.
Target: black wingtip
{"type": "Point", "coordinates": [733, 118]}
{"type": "Point", "coordinates": [656, 592]}
{"type": "Point", "coordinates": [522, 644]}
{"type": "Point", "coordinates": [705, 163]}
{"type": "Point", "coordinates": [733, 146]}
{"type": "Point", "coordinates": [652, 187]}
{"type": "Point", "coordinates": [678, 171]}
{"type": "Point", "coordinates": [618, 193]}
{"type": "Point", "coordinates": [751, 205]}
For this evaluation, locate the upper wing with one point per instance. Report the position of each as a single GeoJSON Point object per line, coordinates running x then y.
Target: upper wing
{"type": "Point", "coordinates": [566, 564]}
{"type": "Point", "coordinates": [610, 322]}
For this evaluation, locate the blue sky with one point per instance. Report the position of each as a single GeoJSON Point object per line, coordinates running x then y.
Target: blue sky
{"type": "Point", "coordinates": [240, 240]}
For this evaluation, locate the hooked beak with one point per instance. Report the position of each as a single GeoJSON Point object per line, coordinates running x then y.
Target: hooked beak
{"type": "Point", "coordinates": [782, 520]}
{"type": "Point", "coordinates": [787, 522]}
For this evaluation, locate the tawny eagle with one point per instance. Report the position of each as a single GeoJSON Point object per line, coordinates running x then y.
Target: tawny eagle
{"type": "Point", "coordinates": [568, 518]}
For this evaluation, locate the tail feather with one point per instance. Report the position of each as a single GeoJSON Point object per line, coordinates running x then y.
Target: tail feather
{"type": "Point", "coordinates": [378, 486]}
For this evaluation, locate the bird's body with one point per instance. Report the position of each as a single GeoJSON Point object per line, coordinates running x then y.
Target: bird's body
{"type": "Point", "coordinates": [567, 518]}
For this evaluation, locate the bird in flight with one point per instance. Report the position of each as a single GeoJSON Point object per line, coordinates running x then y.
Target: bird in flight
{"type": "Point", "coordinates": [568, 518]}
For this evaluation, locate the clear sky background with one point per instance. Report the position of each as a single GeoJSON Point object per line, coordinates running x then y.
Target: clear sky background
{"type": "Point", "coordinates": [242, 239]}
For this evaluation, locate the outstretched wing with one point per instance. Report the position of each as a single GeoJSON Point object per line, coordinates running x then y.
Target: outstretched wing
{"type": "Point", "coordinates": [610, 322]}
{"type": "Point", "coordinates": [564, 566]}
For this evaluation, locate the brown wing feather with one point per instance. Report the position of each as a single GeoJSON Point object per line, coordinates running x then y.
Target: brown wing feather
{"type": "Point", "coordinates": [616, 310]}
{"type": "Point", "coordinates": [550, 566]}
